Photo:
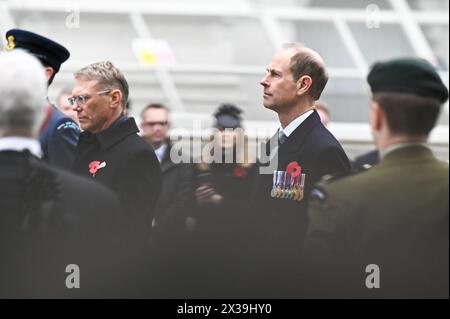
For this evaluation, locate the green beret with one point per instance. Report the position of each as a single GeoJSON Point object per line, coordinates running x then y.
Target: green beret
{"type": "Point", "coordinates": [407, 75]}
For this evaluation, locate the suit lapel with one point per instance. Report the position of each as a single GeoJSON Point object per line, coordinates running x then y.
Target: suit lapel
{"type": "Point", "coordinates": [295, 141]}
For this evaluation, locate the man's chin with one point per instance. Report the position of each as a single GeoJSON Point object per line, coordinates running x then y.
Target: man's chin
{"type": "Point", "coordinates": [269, 106]}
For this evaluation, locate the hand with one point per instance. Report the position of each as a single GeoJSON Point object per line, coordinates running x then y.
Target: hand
{"type": "Point", "coordinates": [207, 195]}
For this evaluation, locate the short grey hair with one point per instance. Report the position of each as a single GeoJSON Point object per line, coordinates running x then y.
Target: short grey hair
{"type": "Point", "coordinates": [107, 75]}
{"type": "Point", "coordinates": [23, 86]}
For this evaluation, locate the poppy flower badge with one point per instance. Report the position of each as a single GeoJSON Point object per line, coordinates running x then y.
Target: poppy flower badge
{"type": "Point", "coordinates": [239, 171]}
{"type": "Point", "coordinates": [95, 166]}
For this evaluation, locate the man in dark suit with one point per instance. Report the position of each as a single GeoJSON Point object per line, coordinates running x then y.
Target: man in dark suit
{"type": "Point", "coordinates": [111, 152]}
{"type": "Point", "coordinates": [59, 133]}
{"type": "Point", "coordinates": [384, 233]}
{"type": "Point", "coordinates": [305, 149]}
{"type": "Point", "coordinates": [49, 218]}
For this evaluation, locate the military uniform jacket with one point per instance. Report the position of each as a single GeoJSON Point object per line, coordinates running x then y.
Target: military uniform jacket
{"type": "Point", "coordinates": [394, 215]}
{"type": "Point", "coordinates": [121, 160]}
{"type": "Point", "coordinates": [59, 138]}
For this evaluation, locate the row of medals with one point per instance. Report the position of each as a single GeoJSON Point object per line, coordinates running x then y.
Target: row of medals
{"type": "Point", "coordinates": [286, 186]}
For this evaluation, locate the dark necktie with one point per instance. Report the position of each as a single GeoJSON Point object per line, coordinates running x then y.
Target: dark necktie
{"type": "Point", "coordinates": [281, 137]}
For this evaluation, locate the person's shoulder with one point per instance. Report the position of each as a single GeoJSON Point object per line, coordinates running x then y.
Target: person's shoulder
{"type": "Point", "coordinates": [322, 137]}
{"type": "Point", "coordinates": [367, 160]}
{"type": "Point", "coordinates": [76, 185]}
{"type": "Point", "coordinates": [343, 184]}
{"type": "Point", "coordinates": [62, 122]}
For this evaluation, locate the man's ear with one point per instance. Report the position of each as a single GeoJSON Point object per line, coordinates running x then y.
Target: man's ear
{"type": "Point", "coordinates": [49, 72]}
{"type": "Point", "coordinates": [116, 98]}
{"type": "Point", "coordinates": [304, 84]}
{"type": "Point", "coordinates": [376, 116]}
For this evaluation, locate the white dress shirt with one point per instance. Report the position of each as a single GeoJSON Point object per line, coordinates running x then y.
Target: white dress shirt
{"type": "Point", "coordinates": [160, 152]}
{"type": "Point", "coordinates": [19, 144]}
{"type": "Point", "coordinates": [295, 123]}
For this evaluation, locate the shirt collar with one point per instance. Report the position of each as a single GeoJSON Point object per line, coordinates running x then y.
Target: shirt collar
{"type": "Point", "coordinates": [19, 144]}
{"type": "Point", "coordinates": [393, 147]}
{"type": "Point", "coordinates": [295, 123]}
{"type": "Point", "coordinates": [160, 151]}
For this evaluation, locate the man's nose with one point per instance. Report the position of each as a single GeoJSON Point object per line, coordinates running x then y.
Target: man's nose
{"type": "Point", "coordinates": [264, 82]}
{"type": "Point", "coordinates": [76, 107]}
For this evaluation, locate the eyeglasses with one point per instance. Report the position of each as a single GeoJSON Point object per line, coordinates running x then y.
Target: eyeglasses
{"type": "Point", "coordinates": [82, 99]}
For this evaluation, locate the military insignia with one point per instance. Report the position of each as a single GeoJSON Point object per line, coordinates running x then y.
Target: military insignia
{"type": "Point", "coordinates": [11, 44]}
{"type": "Point", "coordinates": [319, 194]}
{"type": "Point", "coordinates": [276, 184]}
{"type": "Point", "coordinates": [289, 184]}
{"type": "Point", "coordinates": [94, 166]}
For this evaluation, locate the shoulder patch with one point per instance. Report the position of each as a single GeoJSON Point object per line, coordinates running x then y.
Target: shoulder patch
{"type": "Point", "coordinates": [318, 194]}
{"type": "Point", "coordinates": [68, 125]}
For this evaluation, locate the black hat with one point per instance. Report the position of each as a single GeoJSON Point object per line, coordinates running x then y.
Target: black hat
{"type": "Point", "coordinates": [407, 75]}
{"type": "Point", "coordinates": [49, 52]}
{"type": "Point", "coordinates": [227, 116]}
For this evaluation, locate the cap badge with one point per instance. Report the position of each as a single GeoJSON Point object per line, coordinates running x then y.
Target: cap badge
{"type": "Point", "coordinates": [11, 44]}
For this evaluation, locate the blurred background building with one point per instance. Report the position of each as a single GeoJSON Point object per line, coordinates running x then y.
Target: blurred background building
{"type": "Point", "coordinates": [193, 55]}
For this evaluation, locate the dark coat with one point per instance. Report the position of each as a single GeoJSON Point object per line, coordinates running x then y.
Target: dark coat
{"type": "Point", "coordinates": [233, 181]}
{"type": "Point", "coordinates": [394, 215]}
{"type": "Point", "coordinates": [131, 170]}
{"type": "Point", "coordinates": [50, 219]}
{"type": "Point", "coordinates": [318, 153]}
{"type": "Point", "coordinates": [218, 267]}
{"type": "Point", "coordinates": [176, 199]}
{"type": "Point", "coordinates": [59, 139]}
{"type": "Point", "coordinates": [366, 160]}
{"type": "Point", "coordinates": [280, 224]}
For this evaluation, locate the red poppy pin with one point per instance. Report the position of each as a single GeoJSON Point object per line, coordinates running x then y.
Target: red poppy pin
{"type": "Point", "coordinates": [94, 166]}
{"type": "Point", "coordinates": [294, 169]}
{"type": "Point", "coordinates": [239, 171]}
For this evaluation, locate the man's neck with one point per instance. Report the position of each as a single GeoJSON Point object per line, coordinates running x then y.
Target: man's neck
{"type": "Point", "coordinates": [108, 124]}
{"type": "Point", "coordinates": [291, 114]}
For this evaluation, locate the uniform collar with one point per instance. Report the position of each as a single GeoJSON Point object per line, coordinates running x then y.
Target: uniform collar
{"type": "Point", "coordinates": [394, 147]}
{"type": "Point", "coordinates": [119, 129]}
{"type": "Point", "coordinates": [19, 144]}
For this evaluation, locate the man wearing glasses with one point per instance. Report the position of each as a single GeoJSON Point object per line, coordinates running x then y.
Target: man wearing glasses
{"type": "Point", "coordinates": [58, 134]}
{"type": "Point", "coordinates": [110, 150]}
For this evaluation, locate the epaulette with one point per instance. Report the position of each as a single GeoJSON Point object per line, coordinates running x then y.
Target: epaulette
{"type": "Point", "coordinates": [319, 193]}
{"type": "Point", "coordinates": [330, 178]}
